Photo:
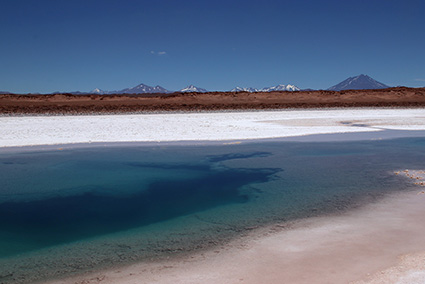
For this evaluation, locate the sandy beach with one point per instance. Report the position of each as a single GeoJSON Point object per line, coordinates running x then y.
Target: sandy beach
{"type": "Point", "coordinates": [377, 243]}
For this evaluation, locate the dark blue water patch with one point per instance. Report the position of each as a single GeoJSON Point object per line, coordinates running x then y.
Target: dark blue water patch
{"type": "Point", "coordinates": [12, 163]}
{"type": "Point", "coordinates": [176, 166]}
{"type": "Point", "coordinates": [59, 220]}
{"type": "Point", "coordinates": [233, 156]}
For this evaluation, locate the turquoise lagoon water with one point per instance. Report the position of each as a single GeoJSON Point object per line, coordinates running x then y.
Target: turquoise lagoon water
{"type": "Point", "coordinates": [79, 209]}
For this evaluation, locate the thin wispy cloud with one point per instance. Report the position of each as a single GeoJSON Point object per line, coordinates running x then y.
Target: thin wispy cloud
{"type": "Point", "coordinates": [159, 53]}
{"type": "Point", "coordinates": [420, 80]}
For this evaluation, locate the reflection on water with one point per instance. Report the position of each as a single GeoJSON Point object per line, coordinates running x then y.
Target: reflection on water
{"type": "Point", "coordinates": [79, 209]}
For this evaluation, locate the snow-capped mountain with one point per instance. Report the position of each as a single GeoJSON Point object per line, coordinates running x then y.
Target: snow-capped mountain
{"type": "Point", "coordinates": [288, 87]}
{"type": "Point", "coordinates": [358, 83]}
{"type": "Point", "coordinates": [240, 89]}
{"type": "Point", "coordinates": [98, 91]}
{"type": "Point", "coordinates": [139, 89]}
{"type": "Point", "coordinates": [192, 89]}
{"type": "Point", "coordinates": [143, 89]}
{"type": "Point", "coordinates": [267, 89]}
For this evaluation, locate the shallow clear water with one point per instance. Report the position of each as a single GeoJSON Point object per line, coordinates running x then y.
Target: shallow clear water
{"type": "Point", "coordinates": [73, 210]}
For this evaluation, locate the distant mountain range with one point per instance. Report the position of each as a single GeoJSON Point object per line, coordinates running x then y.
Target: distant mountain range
{"type": "Point", "coordinates": [139, 89]}
{"type": "Point", "coordinates": [144, 89]}
{"type": "Point", "coordinates": [353, 83]}
{"type": "Point", "coordinates": [290, 88]}
{"type": "Point", "coordinates": [360, 82]}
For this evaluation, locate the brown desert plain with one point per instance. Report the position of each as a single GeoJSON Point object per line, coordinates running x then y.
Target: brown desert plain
{"type": "Point", "coordinates": [211, 101]}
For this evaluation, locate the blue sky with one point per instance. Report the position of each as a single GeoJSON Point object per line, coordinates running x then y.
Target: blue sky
{"type": "Point", "coordinates": [58, 45]}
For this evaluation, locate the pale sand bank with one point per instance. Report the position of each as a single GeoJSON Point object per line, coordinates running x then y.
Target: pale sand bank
{"type": "Point", "coordinates": [378, 243]}
{"type": "Point", "coordinates": [51, 130]}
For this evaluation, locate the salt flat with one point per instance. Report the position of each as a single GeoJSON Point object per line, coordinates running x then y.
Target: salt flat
{"type": "Point", "coordinates": [213, 126]}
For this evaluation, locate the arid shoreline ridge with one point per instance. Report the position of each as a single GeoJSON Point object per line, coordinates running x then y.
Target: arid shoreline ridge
{"type": "Point", "coordinates": [14, 104]}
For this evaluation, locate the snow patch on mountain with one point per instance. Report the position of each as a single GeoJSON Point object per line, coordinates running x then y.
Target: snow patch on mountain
{"type": "Point", "coordinates": [143, 89]}
{"type": "Point", "coordinates": [192, 89]}
{"type": "Point", "coordinates": [98, 91]}
{"type": "Point", "coordinates": [281, 87]}
{"type": "Point", "coordinates": [288, 87]}
{"type": "Point", "coordinates": [240, 89]}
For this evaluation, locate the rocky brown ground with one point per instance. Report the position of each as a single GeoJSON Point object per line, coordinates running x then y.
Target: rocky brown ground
{"type": "Point", "coordinates": [80, 104]}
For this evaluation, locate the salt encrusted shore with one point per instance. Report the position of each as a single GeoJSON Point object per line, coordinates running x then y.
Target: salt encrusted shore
{"type": "Point", "coordinates": [214, 126]}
